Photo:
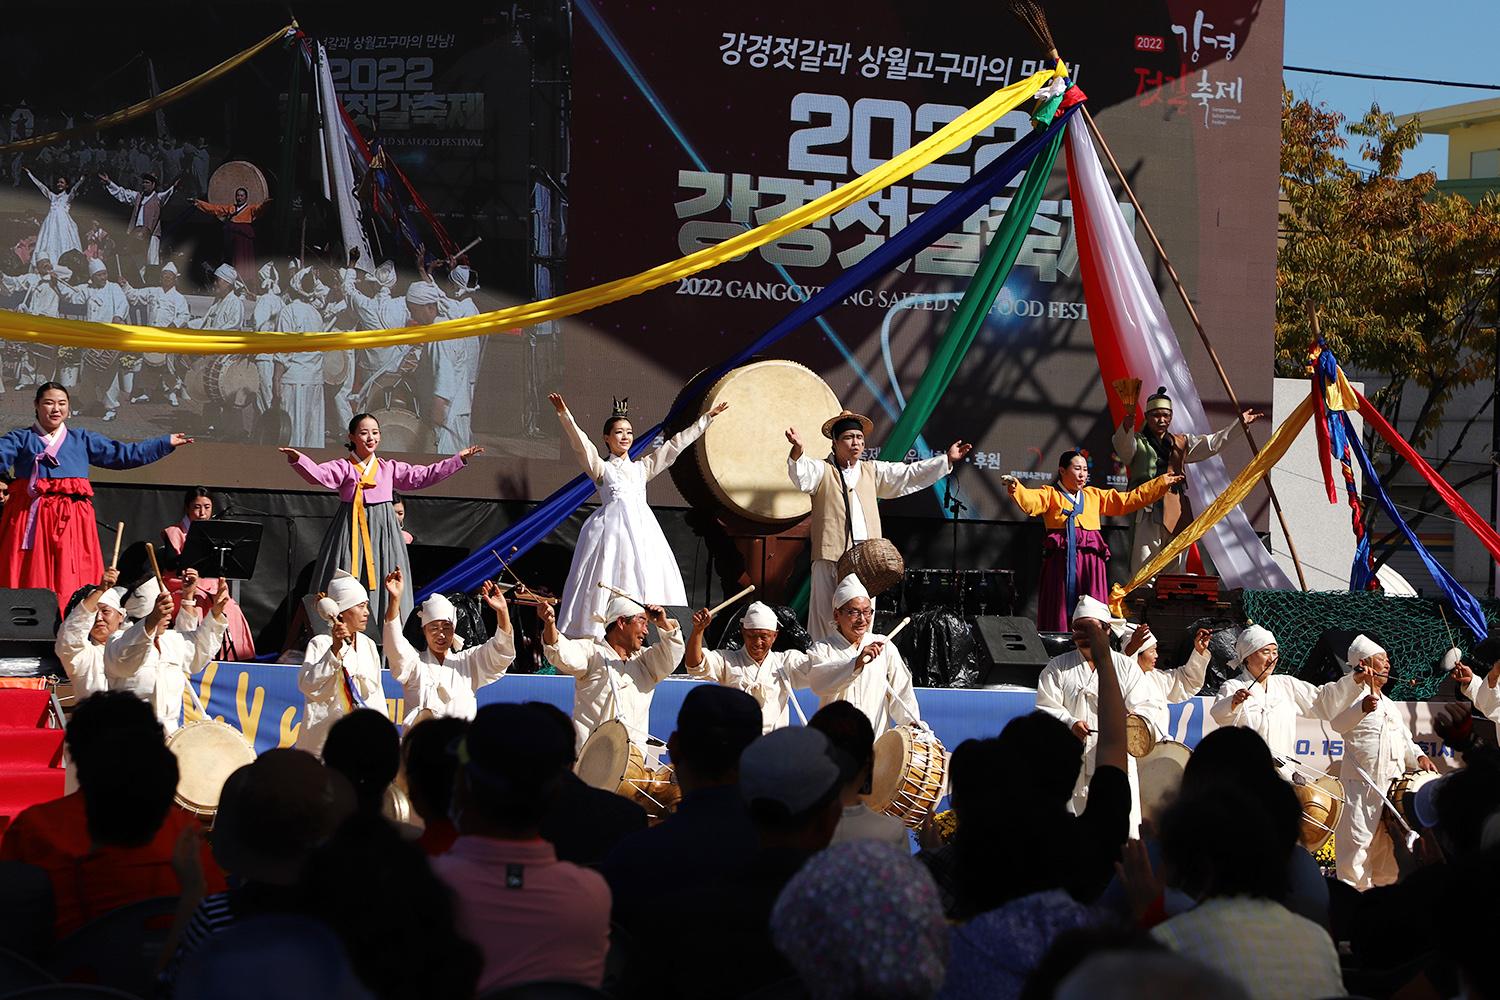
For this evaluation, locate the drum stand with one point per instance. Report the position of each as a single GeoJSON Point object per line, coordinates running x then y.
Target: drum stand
{"type": "Point", "coordinates": [956, 507]}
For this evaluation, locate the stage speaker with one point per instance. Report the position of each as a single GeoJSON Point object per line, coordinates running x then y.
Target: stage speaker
{"type": "Point", "coordinates": [1015, 649]}
{"type": "Point", "coordinates": [28, 629]}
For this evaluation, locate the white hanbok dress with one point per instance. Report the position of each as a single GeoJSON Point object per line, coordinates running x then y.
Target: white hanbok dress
{"type": "Point", "coordinates": [59, 233]}
{"type": "Point", "coordinates": [621, 543]}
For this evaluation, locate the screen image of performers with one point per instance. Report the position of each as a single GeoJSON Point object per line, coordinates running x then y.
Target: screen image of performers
{"type": "Point", "coordinates": [365, 537]}
{"type": "Point", "coordinates": [48, 534]}
{"type": "Point", "coordinates": [197, 594]}
{"type": "Point", "coordinates": [442, 680]}
{"type": "Point", "coordinates": [844, 509]}
{"type": "Point", "coordinates": [239, 227]}
{"type": "Point", "coordinates": [144, 226]}
{"type": "Point", "coordinates": [298, 391]}
{"type": "Point", "coordinates": [769, 676]}
{"type": "Point", "coordinates": [156, 655]}
{"type": "Point", "coordinates": [621, 542]}
{"type": "Point", "coordinates": [340, 670]}
{"type": "Point", "coordinates": [58, 233]}
{"type": "Point", "coordinates": [1068, 690]}
{"type": "Point", "coordinates": [881, 686]}
{"type": "Point", "coordinates": [1075, 556]}
{"type": "Point", "coordinates": [1153, 451]}
{"type": "Point", "coordinates": [616, 676]}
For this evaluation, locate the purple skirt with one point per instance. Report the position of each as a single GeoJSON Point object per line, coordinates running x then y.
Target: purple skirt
{"type": "Point", "coordinates": [1053, 611]}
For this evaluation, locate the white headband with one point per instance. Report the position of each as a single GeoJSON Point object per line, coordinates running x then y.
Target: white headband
{"type": "Point", "coordinates": [759, 615]}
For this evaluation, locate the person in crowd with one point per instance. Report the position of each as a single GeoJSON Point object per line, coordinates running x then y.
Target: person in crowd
{"type": "Point", "coordinates": [145, 212]}
{"type": "Point", "coordinates": [59, 233]}
{"type": "Point", "coordinates": [112, 842]}
{"type": "Point", "coordinates": [1075, 557]}
{"type": "Point", "coordinates": [1225, 849]}
{"type": "Point", "coordinates": [273, 813]}
{"type": "Point", "coordinates": [365, 881]}
{"type": "Point", "coordinates": [710, 832]}
{"type": "Point", "coordinates": [1068, 689]}
{"type": "Point", "coordinates": [155, 659]}
{"type": "Point", "coordinates": [620, 543]}
{"type": "Point", "coordinates": [48, 537]}
{"type": "Point", "coordinates": [849, 730]}
{"type": "Point", "coordinates": [881, 684]}
{"type": "Point", "coordinates": [1154, 451]}
{"type": "Point", "coordinates": [1263, 700]}
{"type": "Point", "coordinates": [198, 593]}
{"type": "Point", "coordinates": [862, 919]}
{"type": "Point", "coordinates": [375, 308]}
{"type": "Point", "coordinates": [429, 762]}
{"type": "Point", "coordinates": [455, 365]}
{"type": "Point", "coordinates": [299, 390]}
{"type": "Point", "coordinates": [534, 917]}
{"type": "Point", "coordinates": [39, 288]}
{"type": "Point", "coordinates": [264, 316]}
{"type": "Point", "coordinates": [1158, 687]}
{"type": "Point", "coordinates": [614, 677]}
{"type": "Point", "coordinates": [582, 823]}
{"type": "Point", "coordinates": [769, 676]}
{"type": "Point", "coordinates": [365, 748]}
{"type": "Point", "coordinates": [239, 227]}
{"type": "Point", "coordinates": [838, 524]}
{"type": "Point", "coordinates": [364, 539]}
{"type": "Point", "coordinates": [163, 306]}
{"type": "Point", "coordinates": [287, 956]}
{"type": "Point", "coordinates": [87, 626]}
{"type": "Point", "coordinates": [1378, 748]}
{"type": "Point", "coordinates": [1025, 867]}
{"type": "Point", "coordinates": [1141, 975]}
{"type": "Point", "coordinates": [228, 309]}
{"type": "Point", "coordinates": [97, 243]}
{"type": "Point", "coordinates": [340, 670]}
{"type": "Point", "coordinates": [445, 677]}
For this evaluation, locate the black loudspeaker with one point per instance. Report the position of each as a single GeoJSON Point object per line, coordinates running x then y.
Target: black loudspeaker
{"type": "Point", "coordinates": [1016, 653]}
{"type": "Point", "coordinates": [28, 628]}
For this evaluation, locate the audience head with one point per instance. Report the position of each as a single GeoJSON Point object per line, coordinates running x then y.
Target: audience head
{"type": "Point", "coordinates": [1224, 840]}
{"type": "Point", "coordinates": [364, 747]}
{"type": "Point", "coordinates": [429, 753]}
{"type": "Point", "coordinates": [510, 765]}
{"type": "Point", "coordinates": [758, 628]}
{"type": "Point", "coordinates": [849, 730]}
{"type": "Point", "coordinates": [862, 920]}
{"type": "Point", "coordinates": [398, 507]}
{"type": "Point", "coordinates": [98, 718]}
{"type": "Point", "coordinates": [291, 957]}
{"type": "Point", "coordinates": [198, 504]}
{"type": "Point", "coordinates": [128, 786]}
{"type": "Point", "coordinates": [1073, 471]}
{"type": "Point", "coordinates": [791, 779]}
{"type": "Point", "coordinates": [274, 812]}
{"type": "Point", "coordinates": [1255, 652]}
{"type": "Point", "coordinates": [1461, 804]}
{"type": "Point", "coordinates": [852, 611]}
{"type": "Point", "coordinates": [714, 726]}
{"type": "Point", "coordinates": [1146, 975]}
{"type": "Point", "coordinates": [564, 723]}
{"type": "Point", "coordinates": [1072, 948]}
{"type": "Point", "coordinates": [625, 624]}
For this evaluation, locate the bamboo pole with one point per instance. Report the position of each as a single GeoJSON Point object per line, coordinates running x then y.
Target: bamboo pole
{"type": "Point", "coordinates": [1239, 411]}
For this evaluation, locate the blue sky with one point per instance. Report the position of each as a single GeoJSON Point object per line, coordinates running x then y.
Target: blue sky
{"type": "Point", "coordinates": [1445, 40]}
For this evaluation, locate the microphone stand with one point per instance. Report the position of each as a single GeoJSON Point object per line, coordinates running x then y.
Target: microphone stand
{"type": "Point", "coordinates": [232, 507]}
{"type": "Point", "coordinates": [956, 507]}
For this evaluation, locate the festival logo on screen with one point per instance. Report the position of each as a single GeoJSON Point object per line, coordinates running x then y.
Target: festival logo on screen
{"type": "Point", "coordinates": [395, 96]}
{"type": "Point", "coordinates": [1215, 91]}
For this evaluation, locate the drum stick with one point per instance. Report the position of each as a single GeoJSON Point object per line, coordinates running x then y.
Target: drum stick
{"type": "Point", "coordinates": [1410, 833]}
{"type": "Point", "coordinates": [620, 593]}
{"type": "Point", "coordinates": [151, 555]}
{"type": "Point", "coordinates": [729, 600]}
{"type": "Point", "coordinates": [897, 630]}
{"type": "Point", "coordinates": [463, 250]}
{"type": "Point", "coordinates": [1445, 625]}
{"type": "Point", "coordinates": [114, 559]}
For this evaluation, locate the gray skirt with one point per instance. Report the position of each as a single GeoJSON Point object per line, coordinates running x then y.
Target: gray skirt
{"type": "Point", "coordinates": [390, 553]}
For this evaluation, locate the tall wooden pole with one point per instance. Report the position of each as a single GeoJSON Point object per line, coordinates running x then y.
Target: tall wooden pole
{"type": "Point", "coordinates": [1213, 355]}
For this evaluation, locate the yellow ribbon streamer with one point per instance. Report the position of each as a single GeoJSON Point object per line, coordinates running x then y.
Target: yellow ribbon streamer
{"type": "Point", "coordinates": [360, 530]}
{"type": "Point", "coordinates": [136, 339]}
{"type": "Point", "coordinates": [1231, 498]}
{"type": "Point", "coordinates": [159, 101]}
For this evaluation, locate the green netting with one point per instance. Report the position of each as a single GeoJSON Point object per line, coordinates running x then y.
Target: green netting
{"type": "Point", "coordinates": [1410, 628]}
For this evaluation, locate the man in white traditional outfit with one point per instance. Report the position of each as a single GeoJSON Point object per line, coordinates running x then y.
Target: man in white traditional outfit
{"type": "Point", "coordinates": [614, 677]}
{"type": "Point", "coordinates": [228, 309]}
{"type": "Point", "coordinates": [340, 670]}
{"type": "Point", "coordinates": [1160, 687]}
{"type": "Point", "coordinates": [97, 618]}
{"type": "Point", "coordinates": [767, 675]}
{"type": "Point", "coordinates": [299, 391]}
{"type": "Point", "coordinates": [455, 366]}
{"type": "Point", "coordinates": [1068, 689]}
{"type": "Point", "coordinates": [844, 490]}
{"type": "Point", "coordinates": [376, 310]}
{"type": "Point", "coordinates": [1479, 676]}
{"type": "Point", "coordinates": [1258, 698]}
{"type": "Point", "coordinates": [444, 678]}
{"type": "Point", "coordinates": [1378, 749]}
{"type": "Point", "coordinates": [881, 686]}
{"type": "Point", "coordinates": [1153, 452]}
{"type": "Point", "coordinates": [38, 288]}
{"type": "Point", "coordinates": [268, 304]}
{"type": "Point", "coordinates": [145, 212]}
{"type": "Point", "coordinates": [155, 660]}
{"type": "Point", "coordinates": [163, 306]}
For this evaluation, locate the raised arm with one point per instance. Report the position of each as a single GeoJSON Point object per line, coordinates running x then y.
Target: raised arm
{"type": "Point", "coordinates": [1033, 503]}
{"type": "Point", "coordinates": [658, 460]}
{"type": "Point", "coordinates": [108, 453]}
{"type": "Point", "coordinates": [321, 668]}
{"type": "Point", "coordinates": [126, 652]}
{"type": "Point", "coordinates": [1187, 679]}
{"type": "Point", "coordinates": [39, 185]}
{"type": "Point", "coordinates": [488, 662]}
{"type": "Point", "coordinates": [1113, 503]}
{"type": "Point", "coordinates": [569, 656]}
{"type": "Point", "coordinates": [704, 666]}
{"type": "Point", "coordinates": [588, 455]}
{"type": "Point", "coordinates": [897, 479]}
{"type": "Point", "coordinates": [208, 637]}
{"type": "Point", "coordinates": [410, 478]}
{"type": "Point", "coordinates": [330, 475]}
{"type": "Point", "coordinates": [73, 635]}
{"type": "Point", "coordinates": [1111, 749]}
{"type": "Point", "coordinates": [659, 660]}
{"type": "Point", "coordinates": [70, 294]}
{"type": "Point", "coordinates": [118, 193]}
{"type": "Point", "coordinates": [1230, 703]}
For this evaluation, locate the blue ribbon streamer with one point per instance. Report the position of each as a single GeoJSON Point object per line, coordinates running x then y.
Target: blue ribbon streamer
{"type": "Point", "coordinates": [922, 231]}
{"type": "Point", "coordinates": [1463, 603]}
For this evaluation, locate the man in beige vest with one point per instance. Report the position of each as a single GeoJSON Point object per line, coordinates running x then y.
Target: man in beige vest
{"type": "Point", "coordinates": [843, 515]}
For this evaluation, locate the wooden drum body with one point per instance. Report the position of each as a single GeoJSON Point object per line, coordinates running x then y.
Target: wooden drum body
{"type": "Point", "coordinates": [911, 767]}
{"type": "Point", "coordinates": [1322, 800]}
{"type": "Point", "coordinates": [208, 752]}
{"type": "Point", "coordinates": [611, 762]}
{"type": "Point", "coordinates": [1403, 794]}
{"type": "Point", "coordinates": [739, 464]}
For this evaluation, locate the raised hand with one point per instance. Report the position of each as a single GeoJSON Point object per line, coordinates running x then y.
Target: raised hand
{"type": "Point", "coordinates": [221, 600]}
{"type": "Point", "coordinates": [1174, 478]}
{"type": "Point", "coordinates": [161, 611]}
{"type": "Point", "coordinates": [1137, 639]}
{"type": "Point", "coordinates": [189, 581]}
{"type": "Point", "coordinates": [178, 440]}
{"type": "Point", "coordinates": [718, 409]}
{"type": "Point", "coordinates": [470, 452]}
{"type": "Point", "coordinates": [1250, 416]}
{"type": "Point", "coordinates": [868, 655]}
{"type": "Point", "coordinates": [493, 596]}
{"type": "Point", "coordinates": [111, 578]}
{"type": "Point", "coordinates": [701, 618]}
{"type": "Point", "coordinates": [394, 585]}
{"type": "Point", "coordinates": [1081, 730]}
{"type": "Point", "coordinates": [1462, 674]}
{"type": "Point", "coordinates": [1370, 703]}
{"type": "Point", "coordinates": [341, 636]}
{"type": "Point", "coordinates": [547, 613]}
{"type": "Point", "coordinates": [557, 402]}
{"type": "Point", "coordinates": [656, 615]}
{"type": "Point", "coordinates": [292, 455]}
{"type": "Point", "coordinates": [1240, 696]}
{"type": "Point", "coordinates": [1200, 641]}
{"type": "Point", "coordinates": [957, 450]}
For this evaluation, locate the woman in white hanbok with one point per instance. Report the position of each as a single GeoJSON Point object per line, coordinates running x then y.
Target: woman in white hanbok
{"type": "Point", "coordinates": [621, 543]}
{"type": "Point", "coordinates": [59, 233]}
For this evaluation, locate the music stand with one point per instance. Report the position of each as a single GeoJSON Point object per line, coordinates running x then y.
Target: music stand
{"type": "Point", "coordinates": [226, 549]}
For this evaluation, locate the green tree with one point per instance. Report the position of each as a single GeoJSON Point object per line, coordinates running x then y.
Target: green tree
{"type": "Point", "coordinates": [1404, 279]}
